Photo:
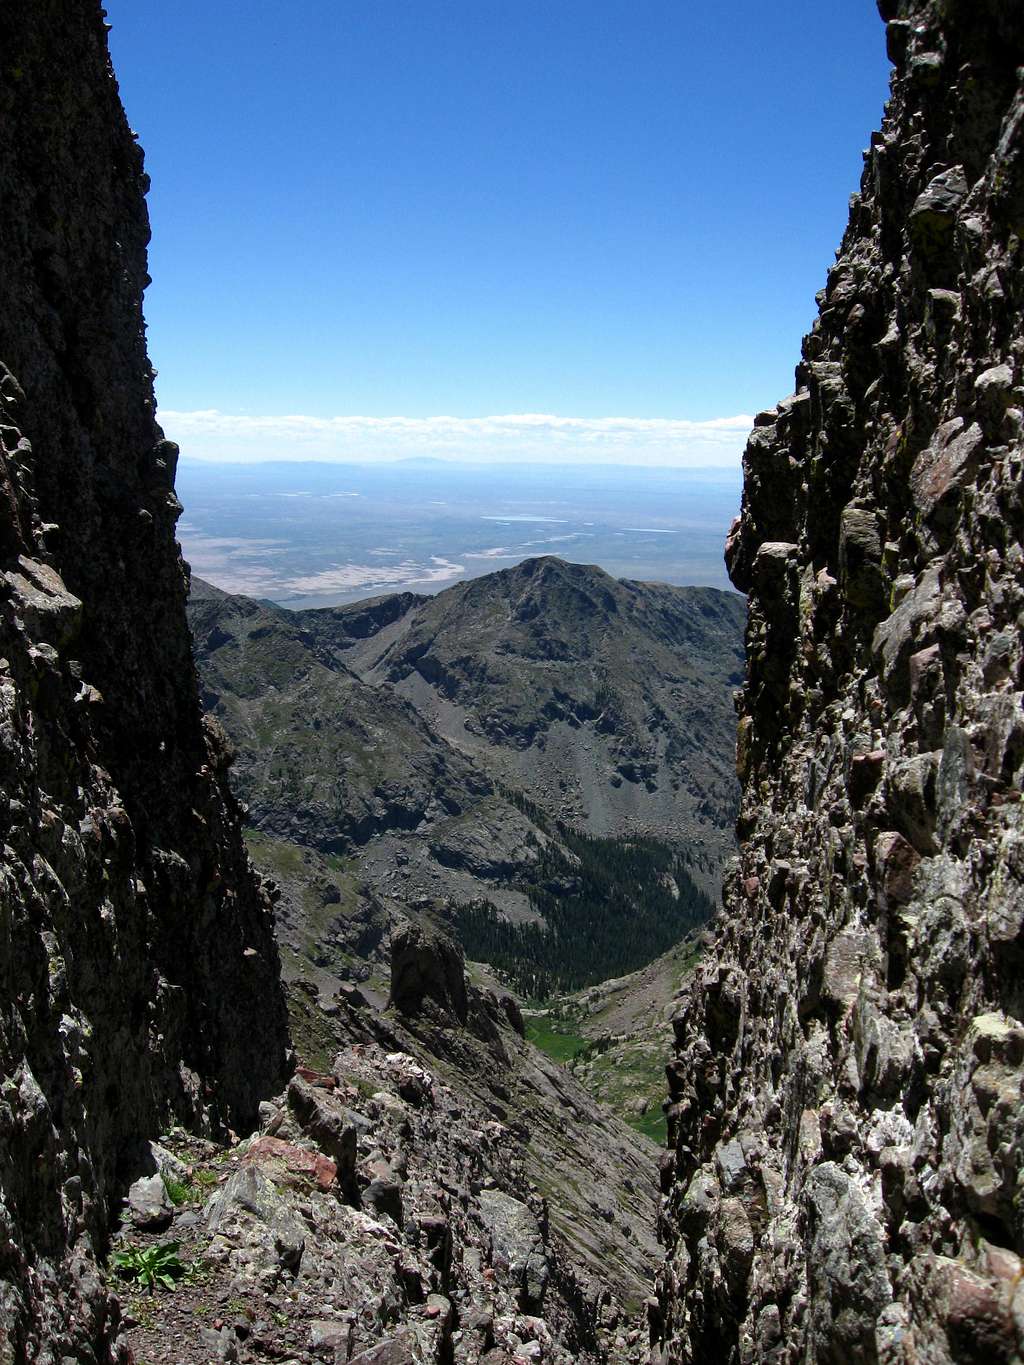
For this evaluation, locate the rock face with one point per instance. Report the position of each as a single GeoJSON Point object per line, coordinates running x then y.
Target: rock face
{"type": "Point", "coordinates": [847, 1112]}
{"type": "Point", "coordinates": [425, 964]}
{"type": "Point", "coordinates": [138, 972]}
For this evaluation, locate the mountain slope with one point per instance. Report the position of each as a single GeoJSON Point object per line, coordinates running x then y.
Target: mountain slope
{"type": "Point", "coordinates": [406, 794]}
{"type": "Point", "coordinates": [323, 757]}
{"type": "Point", "coordinates": [483, 1207]}
{"type": "Point", "coordinates": [608, 701]}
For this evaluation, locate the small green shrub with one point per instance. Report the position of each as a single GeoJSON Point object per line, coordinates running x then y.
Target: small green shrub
{"type": "Point", "coordinates": [151, 1266]}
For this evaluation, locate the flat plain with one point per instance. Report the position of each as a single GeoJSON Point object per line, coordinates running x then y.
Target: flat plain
{"type": "Point", "coordinates": [312, 535]}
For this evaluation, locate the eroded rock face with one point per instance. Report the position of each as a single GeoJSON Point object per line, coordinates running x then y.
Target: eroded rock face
{"type": "Point", "coordinates": [847, 1106]}
{"type": "Point", "coordinates": [138, 973]}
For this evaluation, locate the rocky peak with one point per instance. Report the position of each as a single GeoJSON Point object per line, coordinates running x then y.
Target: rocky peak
{"type": "Point", "coordinates": [846, 1107]}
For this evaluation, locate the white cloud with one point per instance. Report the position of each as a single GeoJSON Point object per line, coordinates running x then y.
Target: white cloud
{"type": "Point", "coordinates": [536, 438]}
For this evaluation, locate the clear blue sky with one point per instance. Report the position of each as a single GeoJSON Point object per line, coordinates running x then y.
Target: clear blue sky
{"type": "Point", "coordinates": [470, 207]}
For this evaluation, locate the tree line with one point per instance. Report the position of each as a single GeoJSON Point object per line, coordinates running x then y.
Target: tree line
{"type": "Point", "coordinates": [608, 906]}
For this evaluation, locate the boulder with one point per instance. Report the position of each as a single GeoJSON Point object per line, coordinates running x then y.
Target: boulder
{"type": "Point", "coordinates": [251, 1212]}
{"type": "Point", "coordinates": [149, 1205]}
{"type": "Point", "coordinates": [289, 1164]}
{"type": "Point", "coordinates": [329, 1125]}
{"type": "Point", "coordinates": [396, 1350]}
{"type": "Point", "coordinates": [516, 1245]}
{"type": "Point", "coordinates": [427, 965]}
{"type": "Point", "coordinates": [384, 1197]}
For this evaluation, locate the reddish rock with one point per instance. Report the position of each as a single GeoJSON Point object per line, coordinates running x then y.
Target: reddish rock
{"type": "Point", "coordinates": [978, 1322]}
{"type": "Point", "coordinates": [316, 1078]}
{"type": "Point", "coordinates": [895, 862]}
{"type": "Point", "coordinates": [942, 470]}
{"type": "Point", "coordinates": [277, 1157]}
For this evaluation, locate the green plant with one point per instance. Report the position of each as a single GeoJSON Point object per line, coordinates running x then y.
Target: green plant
{"type": "Point", "coordinates": [177, 1191]}
{"type": "Point", "coordinates": [144, 1317]}
{"type": "Point", "coordinates": [558, 1043]}
{"type": "Point", "coordinates": [197, 1271]}
{"type": "Point", "coordinates": [190, 1189]}
{"type": "Point", "coordinates": [151, 1266]}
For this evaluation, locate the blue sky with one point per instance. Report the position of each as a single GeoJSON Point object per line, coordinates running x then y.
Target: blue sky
{"type": "Point", "coordinates": [395, 211]}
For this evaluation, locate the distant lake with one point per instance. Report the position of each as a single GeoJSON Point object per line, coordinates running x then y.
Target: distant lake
{"type": "Point", "coordinates": [306, 535]}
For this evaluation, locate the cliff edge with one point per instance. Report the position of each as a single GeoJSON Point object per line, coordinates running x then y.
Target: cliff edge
{"type": "Point", "coordinates": [138, 971]}
{"type": "Point", "coordinates": [847, 1120]}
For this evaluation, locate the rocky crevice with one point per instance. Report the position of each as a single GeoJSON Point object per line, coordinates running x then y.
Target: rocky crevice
{"type": "Point", "coordinates": [845, 1176]}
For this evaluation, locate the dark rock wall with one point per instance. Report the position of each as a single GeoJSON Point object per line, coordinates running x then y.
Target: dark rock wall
{"type": "Point", "coordinates": [847, 1117]}
{"type": "Point", "coordinates": [138, 973]}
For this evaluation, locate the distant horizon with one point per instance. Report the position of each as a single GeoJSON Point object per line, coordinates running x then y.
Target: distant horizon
{"type": "Point", "coordinates": [212, 436]}
{"type": "Point", "coordinates": [733, 471]}
{"type": "Point", "coordinates": [317, 533]}
{"type": "Point", "coordinates": [435, 590]}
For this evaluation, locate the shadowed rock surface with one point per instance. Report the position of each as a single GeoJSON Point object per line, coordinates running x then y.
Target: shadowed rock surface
{"type": "Point", "coordinates": [426, 965]}
{"type": "Point", "coordinates": [138, 970]}
{"type": "Point", "coordinates": [847, 1107]}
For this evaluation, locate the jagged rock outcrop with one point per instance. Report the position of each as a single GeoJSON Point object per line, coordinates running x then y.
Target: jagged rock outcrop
{"type": "Point", "coordinates": [138, 972]}
{"type": "Point", "coordinates": [847, 1118]}
{"type": "Point", "coordinates": [426, 965]}
{"type": "Point", "coordinates": [436, 1193]}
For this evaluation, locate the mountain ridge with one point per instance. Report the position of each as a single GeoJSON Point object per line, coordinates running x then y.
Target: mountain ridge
{"type": "Point", "coordinates": [467, 687]}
